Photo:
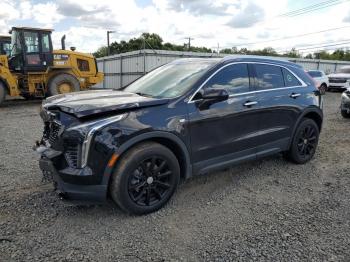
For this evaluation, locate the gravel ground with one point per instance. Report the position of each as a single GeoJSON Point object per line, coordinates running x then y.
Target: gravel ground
{"type": "Point", "coordinates": [264, 210]}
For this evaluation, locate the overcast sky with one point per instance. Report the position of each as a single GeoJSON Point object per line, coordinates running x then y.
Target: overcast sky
{"type": "Point", "coordinates": [227, 22]}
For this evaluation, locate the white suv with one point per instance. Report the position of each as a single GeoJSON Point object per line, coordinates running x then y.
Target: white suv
{"type": "Point", "coordinates": [340, 79]}
{"type": "Point", "coordinates": [321, 80]}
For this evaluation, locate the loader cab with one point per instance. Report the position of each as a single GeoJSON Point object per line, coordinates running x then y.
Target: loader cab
{"type": "Point", "coordinates": [5, 45]}
{"type": "Point", "coordinates": [31, 49]}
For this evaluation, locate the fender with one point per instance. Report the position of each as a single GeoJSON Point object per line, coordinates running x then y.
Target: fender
{"type": "Point", "coordinates": [146, 136]}
{"type": "Point", "coordinates": [308, 110]}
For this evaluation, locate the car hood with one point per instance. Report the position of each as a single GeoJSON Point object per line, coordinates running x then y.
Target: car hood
{"type": "Point", "coordinates": [339, 75]}
{"type": "Point", "coordinates": [88, 103]}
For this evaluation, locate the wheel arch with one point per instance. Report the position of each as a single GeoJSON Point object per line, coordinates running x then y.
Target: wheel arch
{"type": "Point", "coordinates": [313, 113]}
{"type": "Point", "coordinates": [169, 140]}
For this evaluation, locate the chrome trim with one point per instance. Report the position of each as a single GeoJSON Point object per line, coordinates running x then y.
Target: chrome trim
{"type": "Point", "coordinates": [250, 103]}
{"type": "Point", "coordinates": [85, 148]}
{"type": "Point", "coordinates": [295, 95]}
{"type": "Point", "coordinates": [251, 92]}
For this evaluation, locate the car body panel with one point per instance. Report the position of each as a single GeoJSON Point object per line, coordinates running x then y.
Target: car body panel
{"type": "Point", "coordinates": [203, 138]}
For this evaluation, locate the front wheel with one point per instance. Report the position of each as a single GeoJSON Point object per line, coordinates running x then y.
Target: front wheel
{"type": "Point", "coordinates": [304, 142]}
{"type": "Point", "coordinates": [345, 113]}
{"type": "Point", "coordinates": [145, 178]}
{"type": "Point", "coordinates": [63, 83]}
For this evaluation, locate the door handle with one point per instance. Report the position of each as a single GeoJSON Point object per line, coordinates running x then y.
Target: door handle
{"type": "Point", "coordinates": [294, 95]}
{"type": "Point", "coordinates": [250, 103]}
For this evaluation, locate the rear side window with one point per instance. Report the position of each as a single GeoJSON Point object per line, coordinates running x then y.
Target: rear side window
{"type": "Point", "coordinates": [290, 79]}
{"type": "Point", "coordinates": [269, 76]}
{"type": "Point", "coordinates": [233, 78]}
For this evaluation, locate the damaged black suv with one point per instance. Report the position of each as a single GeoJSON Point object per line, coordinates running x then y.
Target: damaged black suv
{"type": "Point", "coordinates": [188, 117]}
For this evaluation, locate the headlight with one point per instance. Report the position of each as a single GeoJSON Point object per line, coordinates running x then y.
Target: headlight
{"type": "Point", "coordinates": [345, 95]}
{"type": "Point", "coordinates": [87, 130]}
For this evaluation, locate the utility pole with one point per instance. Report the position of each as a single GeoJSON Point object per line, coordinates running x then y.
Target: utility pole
{"type": "Point", "coordinates": [189, 42]}
{"type": "Point", "coordinates": [108, 47]}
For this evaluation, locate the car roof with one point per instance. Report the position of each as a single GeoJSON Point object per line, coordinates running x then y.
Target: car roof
{"type": "Point", "coordinates": [239, 58]}
{"type": "Point", "coordinates": [262, 59]}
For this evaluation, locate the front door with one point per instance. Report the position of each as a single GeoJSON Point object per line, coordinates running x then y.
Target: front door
{"type": "Point", "coordinates": [226, 131]}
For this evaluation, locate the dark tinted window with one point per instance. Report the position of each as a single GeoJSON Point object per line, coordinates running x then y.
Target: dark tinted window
{"type": "Point", "coordinates": [315, 73]}
{"type": "Point", "coordinates": [290, 79]}
{"type": "Point", "coordinates": [269, 76]}
{"type": "Point", "coordinates": [31, 40]}
{"type": "Point", "coordinates": [233, 78]}
{"type": "Point", "coordinates": [45, 43]}
{"type": "Point", "coordinates": [83, 65]}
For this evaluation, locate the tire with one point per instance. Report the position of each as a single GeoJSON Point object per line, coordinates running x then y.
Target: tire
{"type": "Point", "coordinates": [63, 83]}
{"type": "Point", "coordinates": [345, 113]}
{"type": "Point", "coordinates": [323, 89]}
{"type": "Point", "coordinates": [145, 179]}
{"type": "Point", "coordinates": [2, 93]}
{"type": "Point", "coordinates": [304, 142]}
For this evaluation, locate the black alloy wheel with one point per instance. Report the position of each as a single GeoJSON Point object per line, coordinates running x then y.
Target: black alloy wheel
{"type": "Point", "coordinates": [145, 178]}
{"type": "Point", "coordinates": [307, 141]}
{"type": "Point", "coordinates": [304, 143]}
{"type": "Point", "coordinates": [150, 182]}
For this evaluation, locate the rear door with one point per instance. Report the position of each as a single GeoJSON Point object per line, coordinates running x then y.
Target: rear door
{"type": "Point", "coordinates": [226, 131]}
{"type": "Point", "coordinates": [280, 97]}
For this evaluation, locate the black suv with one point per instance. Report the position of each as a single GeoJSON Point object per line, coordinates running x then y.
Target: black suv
{"type": "Point", "coordinates": [188, 117]}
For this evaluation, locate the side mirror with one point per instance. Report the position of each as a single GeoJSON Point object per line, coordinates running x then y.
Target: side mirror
{"type": "Point", "coordinates": [210, 96]}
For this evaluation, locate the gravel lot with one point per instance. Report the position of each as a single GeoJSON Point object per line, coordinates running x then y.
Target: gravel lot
{"type": "Point", "coordinates": [264, 210]}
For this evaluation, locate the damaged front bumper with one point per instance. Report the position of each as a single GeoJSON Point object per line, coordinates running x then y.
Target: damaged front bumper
{"type": "Point", "coordinates": [67, 181]}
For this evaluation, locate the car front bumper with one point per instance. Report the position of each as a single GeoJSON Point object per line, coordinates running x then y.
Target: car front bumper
{"type": "Point", "coordinates": [74, 192]}
{"type": "Point", "coordinates": [339, 85]}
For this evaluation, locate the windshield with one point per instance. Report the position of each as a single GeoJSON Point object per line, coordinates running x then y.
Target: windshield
{"type": "Point", "coordinates": [170, 80]}
{"type": "Point", "coordinates": [315, 73]}
{"type": "Point", "coordinates": [345, 70]}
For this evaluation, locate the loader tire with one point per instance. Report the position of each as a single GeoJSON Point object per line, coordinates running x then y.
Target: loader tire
{"type": "Point", "coordinates": [63, 83]}
{"type": "Point", "coordinates": [2, 93]}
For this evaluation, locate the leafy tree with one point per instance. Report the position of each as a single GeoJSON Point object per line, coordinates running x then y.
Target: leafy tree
{"type": "Point", "coordinates": [154, 41]}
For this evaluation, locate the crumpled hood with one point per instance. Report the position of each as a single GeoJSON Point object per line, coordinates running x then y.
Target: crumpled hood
{"type": "Point", "coordinates": [339, 75]}
{"type": "Point", "coordinates": [87, 103]}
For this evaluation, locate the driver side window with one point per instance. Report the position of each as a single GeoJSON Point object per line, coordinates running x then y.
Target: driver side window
{"type": "Point", "coordinates": [233, 78]}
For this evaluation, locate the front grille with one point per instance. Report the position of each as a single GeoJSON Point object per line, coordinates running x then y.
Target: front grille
{"type": "Point", "coordinates": [337, 80]}
{"type": "Point", "coordinates": [72, 153]}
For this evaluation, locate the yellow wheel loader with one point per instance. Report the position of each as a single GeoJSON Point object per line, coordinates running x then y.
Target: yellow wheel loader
{"type": "Point", "coordinates": [32, 68]}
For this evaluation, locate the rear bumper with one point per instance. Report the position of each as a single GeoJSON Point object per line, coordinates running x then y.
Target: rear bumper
{"type": "Point", "coordinates": [74, 192]}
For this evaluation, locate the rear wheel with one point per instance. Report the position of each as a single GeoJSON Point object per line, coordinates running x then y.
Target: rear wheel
{"type": "Point", "coordinates": [145, 179]}
{"type": "Point", "coordinates": [345, 113]}
{"type": "Point", "coordinates": [2, 93]}
{"type": "Point", "coordinates": [323, 89]}
{"type": "Point", "coordinates": [62, 84]}
{"type": "Point", "coordinates": [304, 142]}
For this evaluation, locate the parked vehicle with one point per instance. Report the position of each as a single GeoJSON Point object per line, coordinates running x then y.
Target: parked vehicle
{"type": "Point", "coordinates": [345, 103]}
{"type": "Point", "coordinates": [32, 69]}
{"type": "Point", "coordinates": [321, 80]}
{"type": "Point", "coordinates": [341, 79]}
{"type": "Point", "coordinates": [188, 117]}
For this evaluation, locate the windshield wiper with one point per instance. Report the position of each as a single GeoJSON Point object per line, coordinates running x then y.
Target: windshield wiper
{"type": "Point", "coordinates": [143, 94]}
